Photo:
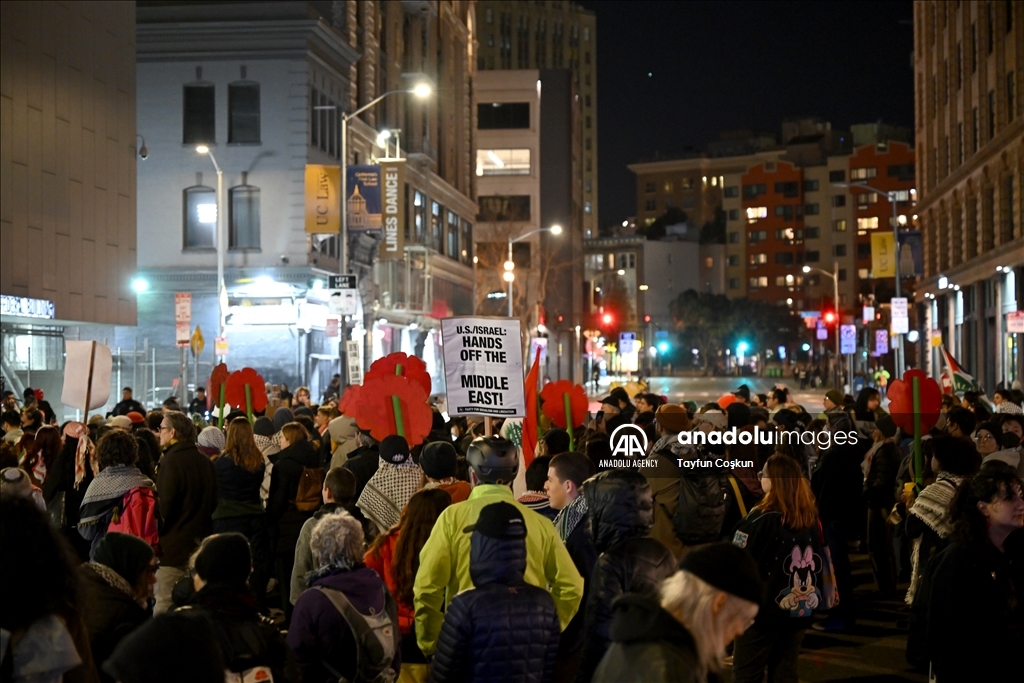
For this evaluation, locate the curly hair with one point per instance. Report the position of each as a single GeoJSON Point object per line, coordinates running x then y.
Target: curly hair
{"type": "Point", "coordinates": [337, 540]}
{"type": "Point", "coordinates": [995, 481]}
{"type": "Point", "coordinates": [117, 447]}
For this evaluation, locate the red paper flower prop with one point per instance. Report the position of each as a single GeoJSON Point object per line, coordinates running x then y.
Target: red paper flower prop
{"type": "Point", "coordinates": [412, 367]}
{"type": "Point", "coordinates": [349, 400]}
{"type": "Point", "coordinates": [901, 401]}
{"type": "Point", "coordinates": [374, 408]}
{"type": "Point", "coordinates": [235, 392]}
{"type": "Point", "coordinates": [554, 403]}
{"type": "Point", "coordinates": [218, 377]}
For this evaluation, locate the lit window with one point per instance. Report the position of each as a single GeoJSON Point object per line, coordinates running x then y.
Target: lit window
{"type": "Point", "coordinates": [840, 225]}
{"type": "Point", "coordinates": [709, 262]}
{"type": "Point", "coordinates": [863, 173]}
{"type": "Point", "coordinates": [587, 207]}
{"type": "Point", "coordinates": [668, 186]}
{"type": "Point", "coordinates": [758, 259]}
{"type": "Point", "coordinates": [200, 217]}
{"type": "Point", "coordinates": [758, 282]}
{"type": "Point", "coordinates": [754, 213]}
{"type": "Point", "coordinates": [862, 273]}
{"type": "Point", "coordinates": [502, 162]}
{"type": "Point", "coordinates": [866, 198]}
{"type": "Point", "coordinates": [870, 223]}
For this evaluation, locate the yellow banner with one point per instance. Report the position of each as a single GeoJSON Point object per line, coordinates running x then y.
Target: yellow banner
{"type": "Point", "coordinates": [323, 203]}
{"type": "Point", "coordinates": [392, 209]}
{"type": "Point", "coordinates": [883, 254]}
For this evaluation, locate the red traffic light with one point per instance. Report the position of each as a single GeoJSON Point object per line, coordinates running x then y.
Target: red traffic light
{"type": "Point", "coordinates": [829, 317]}
{"type": "Point", "coordinates": [607, 318]}
{"type": "Point", "coordinates": [647, 318]}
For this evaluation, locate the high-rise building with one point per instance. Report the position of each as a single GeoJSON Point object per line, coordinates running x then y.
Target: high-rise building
{"type": "Point", "coordinates": [549, 35]}
{"type": "Point", "coordinates": [968, 69]}
{"type": "Point", "coordinates": [68, 199]}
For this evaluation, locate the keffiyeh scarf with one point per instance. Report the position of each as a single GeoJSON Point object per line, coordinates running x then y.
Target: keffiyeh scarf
{"type": "Point", "coordinates": [109, 486]}
{"type": "Point", "coordinates": [85, 455]}
{"type": "Point", "coordinates": [115, 580]}
{"type": "Point", "coordinates": [387, 492]}
{"type": "Point", "coordinates": [569, 516]}
{"type": "Point", "coordinates": [932, 508]}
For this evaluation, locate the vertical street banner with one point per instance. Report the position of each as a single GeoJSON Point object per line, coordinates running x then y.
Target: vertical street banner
{"type": "Point", "coordinates": [362, 206]}
{"type": "Point", "coordinates": [392, 174]}
{"type": "Point", "coordinates": [483, 366]}
{"type": "Point", "coordinates": [911, 253]}
{"type": "Point", "coordinates": [883, 254]}
{"type": "Point", "coordinates": [323, 198]}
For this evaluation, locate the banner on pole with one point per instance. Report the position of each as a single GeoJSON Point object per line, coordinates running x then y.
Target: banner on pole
{"type": "Point", "coordinates": [483, 366]}
{"type": "Point", "coordinates": [883, 254]}
{"type": "Point", "coordinates": [362, 206]}
{"type": "Point", "coordinates": [323, 198]}
{"type": "Point", "coordinates": [392, 173]}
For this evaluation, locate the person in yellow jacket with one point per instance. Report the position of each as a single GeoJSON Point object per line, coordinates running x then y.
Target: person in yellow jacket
{"type": "Point", "coordinates": [444, 560]}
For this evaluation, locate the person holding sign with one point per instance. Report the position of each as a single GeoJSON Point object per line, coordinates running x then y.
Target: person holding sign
{"type": "Point", "coordinates": [445, 558]}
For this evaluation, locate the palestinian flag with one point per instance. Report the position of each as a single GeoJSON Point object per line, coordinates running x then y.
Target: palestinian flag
{"type": "Point", "coordinates": [959, 379]}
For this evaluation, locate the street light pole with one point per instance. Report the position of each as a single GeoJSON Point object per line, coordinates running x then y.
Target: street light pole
{"type": "Point", "coordinates": [510, 264]}
{"type": "Point", "coordinates": [835, 304]}
{"type": "Point", "coordinates": [219, 240]}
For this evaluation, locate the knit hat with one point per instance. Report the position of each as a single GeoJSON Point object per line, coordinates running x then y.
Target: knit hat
{"type": "Point", "coordinates": [726, 567]}
{"type": "Point", "coordinates": [263, 426]}
{"type": "Point", "coordinates": [282, 416]}
{"type": "Point", "coordinates": [120, 422]}
{"type": "Point", "coordinates": [224, 558]}
{"type": "Point", "coordinates": [167, 649]}
{"type": "Point", "coordinates": [303, 410]}
{"type": "Point", "coordinates": [743, 391]}
{"type": "Point", "coordinates": [127, 555]}
{"type": "Point", "coordinates": [759, 413]}
{"type": "Point", "coordinates": [886, 426]}
{"type": "Point", "coordinates": [136, 418]}
{"type": "Point", "coordinates": [211, 439]}
{"type": "Point", "coordinates": [738, 415]}
{"type": "Point", "coordinates": [673, 418]}
{"type": "Point", "coordinates": [500, 520]}
{"type": "Point", "coordinates": [835, 396]}
{"type": "Point", "coordinates": [438, 460]}
{"type": "Point", "coordinates": [394, 449]}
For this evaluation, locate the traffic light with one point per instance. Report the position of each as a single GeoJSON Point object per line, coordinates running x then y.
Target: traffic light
{"type": "Point", "coordinates": [607, 319]}
{"type": "Point", "coordinates": [647, 318]}
{"type": "Point", "coordinates": [663, 347]}
{"type": "Point", "coordinates": [829, 317]}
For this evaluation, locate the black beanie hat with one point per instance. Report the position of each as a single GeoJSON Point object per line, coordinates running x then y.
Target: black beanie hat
{"type": "Point", "coordinates": [727, 568]}
{"type": "Point", "coordinates": [738, 414]}
{"type": "Point", "coordinates": [166, 649]}
{"type": "Point", "coordinates": [263, 426]}
{"type": "Point", "coordinates": [127, 555]}
{"type": "Point", "coordinates": [438, 460]}
{"type": "Point", "coordinates": [394, 449]}
{"type": "Point", "coordinates": [224, 558]}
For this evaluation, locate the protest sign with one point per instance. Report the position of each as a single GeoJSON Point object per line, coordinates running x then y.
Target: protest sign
{"type": "Point", "coordinates": [483, 366]}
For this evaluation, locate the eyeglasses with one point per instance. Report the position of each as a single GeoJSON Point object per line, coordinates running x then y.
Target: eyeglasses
{"type": "Point", "coordinates": [984, 437]}
{"type": "Point", "coordinates": [164, 428]}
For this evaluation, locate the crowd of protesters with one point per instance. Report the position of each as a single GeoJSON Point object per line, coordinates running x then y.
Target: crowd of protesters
{"type": "Point", "coordinates": [154, 546]}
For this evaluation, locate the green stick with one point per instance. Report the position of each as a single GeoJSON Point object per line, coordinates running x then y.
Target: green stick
{"type": "Point", "coordinates": [220, 408]}
{"type": "Point", "coordinates": [568, 420]}
{"type": "Point", "coordinates": [396, 405]}
{"type": "Point", "coordinates": [248, 403]}
{"type": "Point", "coordinates": [918, 459]}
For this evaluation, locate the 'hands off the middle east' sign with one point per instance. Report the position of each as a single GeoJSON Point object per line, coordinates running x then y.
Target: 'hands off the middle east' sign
{"type": "Point", "coordinates": [483, 366]}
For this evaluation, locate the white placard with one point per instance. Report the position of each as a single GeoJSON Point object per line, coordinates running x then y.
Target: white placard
{"type": "Point", "coordinates": [900, 320]}
{"type": "Point", "coordinates": [869, 314]}
{"type": "Point", "coordinates": [79, 356]}
{"type": "Point", "coordinates": [182, 335]}
{"type": "Point", "coordinates": [483, 366]}
{"type": "Point", "coordinates": [182, 307]}
{"type": "Point", "coordinates": [354, 359]}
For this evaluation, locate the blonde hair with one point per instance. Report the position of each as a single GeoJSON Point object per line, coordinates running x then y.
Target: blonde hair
{"type": "Point", "coordinates": [689, 599]}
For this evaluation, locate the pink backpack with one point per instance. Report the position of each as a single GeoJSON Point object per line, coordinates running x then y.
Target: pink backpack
{"type": "Point", "coordinates": [137, 515]}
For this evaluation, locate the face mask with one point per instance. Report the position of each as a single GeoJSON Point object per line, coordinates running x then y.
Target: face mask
{"type": "Point", "coordinates": [1009, 440]}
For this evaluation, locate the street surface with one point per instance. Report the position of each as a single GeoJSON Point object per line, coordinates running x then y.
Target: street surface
{"type": "Point", "coordinates": [705, 389]}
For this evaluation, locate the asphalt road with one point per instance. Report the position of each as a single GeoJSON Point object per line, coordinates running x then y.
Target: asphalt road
{"type": "Point", "coordinates": [705, 389]}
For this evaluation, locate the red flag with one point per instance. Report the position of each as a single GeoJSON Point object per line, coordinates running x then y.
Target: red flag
{"type": "Point", "coordinates": [530, 423]}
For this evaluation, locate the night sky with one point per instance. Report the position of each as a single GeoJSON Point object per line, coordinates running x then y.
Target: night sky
{"type": "Point", "coordinates": [739, 65]}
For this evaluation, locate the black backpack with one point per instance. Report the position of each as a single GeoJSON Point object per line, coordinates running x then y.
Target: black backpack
{"type": "Point", "coordinates": [703, 500]}
{"type": "Point", "coordinates": [376, 635]}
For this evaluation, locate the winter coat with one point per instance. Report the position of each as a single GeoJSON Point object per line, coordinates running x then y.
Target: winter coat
{"type": "Point", "coordinates": [665, 480]}
{"type": "Point", "coordinates": [363, 462]}
{"type": "Point", "coordinates": [187, 484]}
{"type": "Point", "coordinates": [880, 484]}
{"type": "Point", "coordinates": [502, 630]}
{"type": "Point", "coordinates": [284, 518]}
{"type": "Point", "coordinates": [304, 562]}
{"type": "Point", "coordinates": [246, 639]}
{"type": "Point", "coordinates": [239, 489]}
{"type": "Point", "coordinates": [380, 561]}
{"type": "Point", "coordinates": [976, 611]}
{"type": "Point", "coordinates": [584, 557]}
{"type": "Point", "coordinates": [837, 483]}
{"type": "Point", "coordinates": [128, 405]}
{"type": "Point", "coordinates": [108, 612]}
{"type": "Point", "coordinates": [648, 644]}
{"type": "Point", "coordinates": [621, 512]}
{"type": "Point", "coordinates": [445, 568]}
{"type": "Point", "coordinates": [318, 633]}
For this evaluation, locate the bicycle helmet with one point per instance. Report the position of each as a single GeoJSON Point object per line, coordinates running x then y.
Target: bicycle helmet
{"type": "Point", "coordinates": [494, 460]}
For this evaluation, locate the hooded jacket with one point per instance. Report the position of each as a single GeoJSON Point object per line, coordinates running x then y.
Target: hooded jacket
{"type": "Point", "coordinates": [648, 644]}
{"type": "Point", "coordinates": [445, 562]}
{"type": "Point", "coordinates": [285, 519]}
{"type": "Point", "coordinates": [665, 481]}
{"type": "Point", "coordinates": [621, 513]}
{"type": "Point", "coordinates": [503, 630]}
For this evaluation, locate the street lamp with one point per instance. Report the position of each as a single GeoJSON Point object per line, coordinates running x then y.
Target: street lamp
{"type": "Point", "coordinates": [222, 295]}
{"type": "Point", "coordinates": [835, 303]}
{"type": "Point", "coordinates": [510, 266]}
{"type": "Point", "coordinates": [893, 197]}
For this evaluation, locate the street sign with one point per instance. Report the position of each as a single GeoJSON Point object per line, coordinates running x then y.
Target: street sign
{"type": "Point", "coordinates": [341, 282]}
{"type": "Point", "coordinates": [822, 332]}
{"type": "Point", "coordinates": [900, 319]}
{"type": "Point", "coordinates": [182, 308]}
{"type": "Point", "coordinates": [220, 347]}
{"type": "Point", "coordinates": [197, 343]}
{"type": "Point", "coordinates": [331, 329]}
{"type": "Point", "coordinates": [881, 342]}
{"type": "Point", "coordinates": [869, 314]}
{"type": "Point", "coordinates": [627, 342]}
{"type": "Point", "coordinates": [354, 358]}
{"type": "Point", "coordinates": [847, 339]}
{"type": "Point", "coordinates": [343, 302]}
{"type": "Point", "coordinates": [1015, 322]}
{"type": "Point", "coordinates": [181, 335]}
{"type": "Point", "coordinates": [936, 337]}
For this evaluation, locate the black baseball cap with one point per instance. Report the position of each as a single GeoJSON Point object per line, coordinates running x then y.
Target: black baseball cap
{"type": "Point", "coordinates": [500, 520]}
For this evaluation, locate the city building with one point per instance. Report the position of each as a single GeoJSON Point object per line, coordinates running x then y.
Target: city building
{"type": "Point", "coordinates": [528, 152]}
{"type": "Point", "coordinates": [969, 68]}
{"type": "Point", "coordinates": [265, 87]}
{"type": "Point", "coordinates": [68, 201]}
{"type": "Point", "coordinates": [549, 35]}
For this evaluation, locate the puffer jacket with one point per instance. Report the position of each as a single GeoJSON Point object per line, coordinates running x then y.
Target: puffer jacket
{"type": "Point", "coordinates": [648, 645]}
{"type": "Point", "coordinates": [503, 630]}
{"type": "Point", "coordinates": [621, 513]}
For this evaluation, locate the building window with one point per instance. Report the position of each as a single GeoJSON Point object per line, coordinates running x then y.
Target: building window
{"type": "Point", "coordinates": [758, 259]}
{"type": "Point", "coordinates": [1006, 224]}
{"type": "Point", "coordinates": [862, 173]}
{"type": "Point", "coordinates": [503, 115]}
{"type": "Point", "coordinates": [419, 216]}
{"type": "Point", "coordinates": [649, 186]}
{"type": "Point", "coordinates": [436, 227]}
{"type": "Point", "coordinates": [810, 186]}
{"type": "Point", "coordinates": [866, 198]}
{"type": "Point", "coordinates": [837, 176]}
{"type": "Point", "coordinates": [975, 123]}
{"type": "Point", "coordinates": [811, 233]}
{"type": "Point", "coordinates": [502, 208]}
{"type": "Point", "coordinates": [991, 114]}
{"type": "Point", "coordinates": [588, 207]}
{"type": "Point", "coordinates": [839, 250]}
{"type": "Point", "coordinates": [1011, 89]}
{"type": "Point", "coordinates": [863, 250]}
{"type": "Point", "coordinates": [587, 122]}
{"type": "Point", "coordinates": [734, 214]}
{"type": "Point", "coordinates": [755, 213]}
{"type": "Point", "coordinates": [974, 47]}
{"type": "Point", "coordinates": [784, 258]}
{"type": "Point", "coordinates": [842, 274]}
{"type": "Point", "coordinates": [812, 257]}
{"type": "Point", "coordinates": [784, 211]}
{"type": "Point", "coordinates": [200, 217]}
{"type": "Point", "coordinates": [200, 122]}
{"type": "Point", "coordinates": [788, 189]}
{"type": "Point", "coordinates": [753, 191]}
{"type": "Point", "coordinates": [731, 191]}
{"type": "Point", "coordinates": [734, 238]}
{"type": "Point", "coordinates": [245, 216]}
{"type": "Point", "coordinates": [244, 112]}
{"type": "Point", "coordinates": [651, 205]}
{"type": "Point", "coordinates": [901, 171]}
{"type": "Point", "coordinates": [756, 236]}
{"type": "Point", "coordinates": [734, 260]}
{"type": "Point", "coordinates": [839, 225]}
{"type": "Point", "coordinates": [758, 282]}
{"type": "Point", "coordinates": [959, 65]}
{"type": "Point", "coordinates": [502, 162]}
{"type": "Point", "coordinates": [452, 234]}
{"type": "Point", "coordinates": [466, 254]}
{"type": "Point", "coordinates": [839, 200]}
{"type": "Point", "coordinates": [587, 185]}
{"type": "Point", "coordinates": [734, 283]}
{"type": "Point", "coordinates": [587, 145]}
{"type": "Point", "coordinates": [869, 223]}
{"type": "Point", "coordinates": [810, 209]}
